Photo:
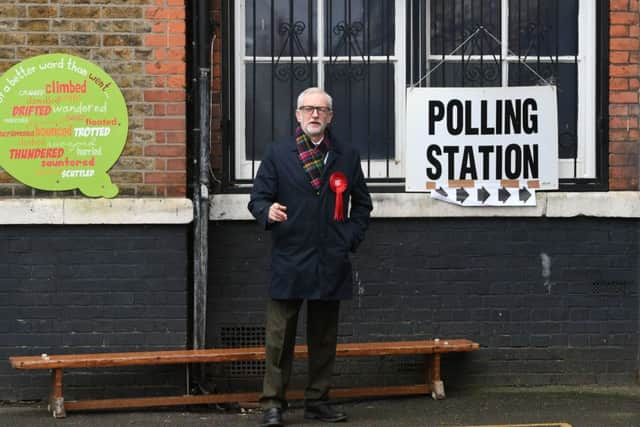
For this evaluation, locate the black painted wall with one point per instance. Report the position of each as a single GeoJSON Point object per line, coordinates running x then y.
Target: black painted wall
{"type": "Point", "coordinates": [72, 289]}
{"type": "Point", "coordinates": [551, 301]}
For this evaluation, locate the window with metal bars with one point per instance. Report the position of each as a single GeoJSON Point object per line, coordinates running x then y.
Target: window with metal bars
{"type": "Point", "coordinates": [366, 53]}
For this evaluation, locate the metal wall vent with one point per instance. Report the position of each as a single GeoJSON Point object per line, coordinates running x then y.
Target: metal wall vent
{"type": "Point", "coordinates": [243, 336]}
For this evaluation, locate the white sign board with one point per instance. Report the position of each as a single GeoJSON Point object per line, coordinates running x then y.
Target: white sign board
{"type": "Point", "coordinates": [474, 138]}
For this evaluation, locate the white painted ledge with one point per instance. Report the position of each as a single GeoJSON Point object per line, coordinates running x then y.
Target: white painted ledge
{"type": "Point", "coordinates": [96, 211]}
{"type": "Point", "coordinates": [612, 204]}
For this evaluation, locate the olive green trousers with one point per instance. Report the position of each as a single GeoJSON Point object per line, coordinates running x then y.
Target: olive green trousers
{"type": "Point", "coordinates": [322, 332]}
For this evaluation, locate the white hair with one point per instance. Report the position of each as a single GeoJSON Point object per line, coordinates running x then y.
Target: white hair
{"type": "Point", "coordinates": [314, 90]}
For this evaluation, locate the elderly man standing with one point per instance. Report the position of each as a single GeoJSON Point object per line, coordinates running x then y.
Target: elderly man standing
{"type": "Point", "coordinates": [302, 193]}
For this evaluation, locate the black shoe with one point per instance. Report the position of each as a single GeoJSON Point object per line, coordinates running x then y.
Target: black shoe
{"type": "Point", "coordinates": [272, 418]}
{"type": "Point", "coordinates": [323, 412]}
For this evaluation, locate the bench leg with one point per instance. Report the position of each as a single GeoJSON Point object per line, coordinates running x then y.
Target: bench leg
{"type": "Point", "coordinates": [433, 377]}
{"type": "Point", "coordinates": [56, 399]}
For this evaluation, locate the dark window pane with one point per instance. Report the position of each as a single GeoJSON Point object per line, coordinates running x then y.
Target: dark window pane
{"type": "Point", "coordinates": [281, 28]}
{"type": "Point", "coordinates": [543, 27]}
{"type": "Point", "coordinates": [453, 21]}
{"type": "Point", "coordinates": [566, 79]}
{"type": "Point", "coordinates": [363, 102]}
{"type": "Point", "coordinates": [360, 28]}
{"type": "Point", "coordinates": [271, 102]}
{"type": "Point", "coordinates": [466, 73]}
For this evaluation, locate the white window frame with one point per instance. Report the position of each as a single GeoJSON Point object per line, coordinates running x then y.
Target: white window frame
{"type": "Point", "coordinates": [245, 167]}
{"type": "Point", "coordinates": [585, 163]}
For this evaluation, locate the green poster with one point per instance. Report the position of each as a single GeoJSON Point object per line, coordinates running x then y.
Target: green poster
{"type": "Point", "coordinates": [63, 125]}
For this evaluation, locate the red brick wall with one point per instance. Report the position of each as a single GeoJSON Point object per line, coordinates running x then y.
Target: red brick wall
{"type": "Point", "coordinates": [624, 83]}
{"type": "Point", "coordinates": [167, 96]}
{"type": "Point", "coordinates": [141, 44]}
{"type": "Point", "coordinates": [216, 92]}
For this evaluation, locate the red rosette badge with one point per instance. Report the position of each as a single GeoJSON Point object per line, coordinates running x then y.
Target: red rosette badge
{"type": "Point", "coordinates": [338, 183]}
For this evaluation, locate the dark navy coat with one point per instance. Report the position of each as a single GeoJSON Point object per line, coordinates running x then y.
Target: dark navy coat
{"type": "Point", "coordinates": [309, 257]}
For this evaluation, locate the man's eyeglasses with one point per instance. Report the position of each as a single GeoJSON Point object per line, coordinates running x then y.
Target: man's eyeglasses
{"type": "Point", "coordinates": [308, 109]}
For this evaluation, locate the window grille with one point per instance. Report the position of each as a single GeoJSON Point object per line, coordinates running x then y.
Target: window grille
{"type": "Point", "coordinates": [365, 53]}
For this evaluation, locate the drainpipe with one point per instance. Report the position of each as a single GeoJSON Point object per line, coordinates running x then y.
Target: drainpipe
{"type": "Point", "coordinates": [201, 219]}
{"type": "Point", "coordinates": [199, 80]}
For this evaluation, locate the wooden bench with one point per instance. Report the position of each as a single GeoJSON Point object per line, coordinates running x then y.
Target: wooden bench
{"type": "Point", "coordinates": [57, 363]}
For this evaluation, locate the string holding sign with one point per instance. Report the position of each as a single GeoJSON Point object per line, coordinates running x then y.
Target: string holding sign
{"type": "Point", "coordinates": [480, 29]}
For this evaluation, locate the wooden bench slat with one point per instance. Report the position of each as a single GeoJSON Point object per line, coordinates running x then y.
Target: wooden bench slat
{"type": "Point", "coordinates": [143, 402]}
{"type": "Point", "coordinates": [232, 354]}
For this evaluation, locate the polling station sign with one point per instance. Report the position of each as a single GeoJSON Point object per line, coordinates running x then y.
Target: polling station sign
{"type": "Point", "coordinates": [481, 140]}
{"type": "Point", "coordinates": [64, 123]}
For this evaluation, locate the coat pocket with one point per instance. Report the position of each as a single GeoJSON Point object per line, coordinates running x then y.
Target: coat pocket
{"type": "Point", "coordinates": [344, 234]}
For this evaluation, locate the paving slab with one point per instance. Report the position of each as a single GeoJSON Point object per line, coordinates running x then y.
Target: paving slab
{"type": "Point", "coordinates": [532, 407]}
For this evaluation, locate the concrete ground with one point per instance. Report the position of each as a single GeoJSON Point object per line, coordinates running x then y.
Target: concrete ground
{"type": "Point", "coordinates": [576, 406]}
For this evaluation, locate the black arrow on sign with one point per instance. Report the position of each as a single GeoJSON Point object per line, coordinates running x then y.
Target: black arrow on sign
{"type": "Point", "coordinates": [524, 194]}
{"type": "Point", "coordinates": [503, 194]}
{"type": "Point", "coordinates": [461, 195]}
{"type": "Point", "coordinates": [483, 194]}
{"type": "Point", "coordinates": [441, 192]}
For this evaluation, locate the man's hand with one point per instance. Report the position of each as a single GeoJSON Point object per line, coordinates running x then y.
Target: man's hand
{"type": "Point", "coordinates": [277, 213]}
